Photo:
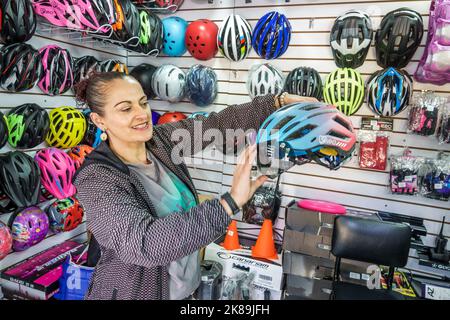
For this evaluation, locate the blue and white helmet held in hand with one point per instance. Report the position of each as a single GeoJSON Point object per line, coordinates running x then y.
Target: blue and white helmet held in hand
{"type": "Point", "coordinates": [264, 79]}
{"type": "Point", "coordinates": [389, 91]}
{"type": "Point", "coordinates": [234, 39]}
{"type": "Point", "coordinates": [307, 131]}
{"type": "Point", "coordinates": [271, 35]}
{"type": "Point", "coordinates": [169, 83]}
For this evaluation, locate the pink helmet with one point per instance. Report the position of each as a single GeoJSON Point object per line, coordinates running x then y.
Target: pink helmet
{"type": "Point", "coordinates": [57, 75]}
{"type": "Point", "coordinates": [57, 170]}
{"type": "Point", "coordinates": [5, 240]}
{"type": "Point", "coordinates": [80, 14]}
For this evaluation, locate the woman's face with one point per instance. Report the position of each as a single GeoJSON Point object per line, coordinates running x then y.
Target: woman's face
{"type": "Point", "coordinates": [126, 115]}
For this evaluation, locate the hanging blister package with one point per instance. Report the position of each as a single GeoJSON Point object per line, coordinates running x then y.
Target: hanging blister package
{"type": "Point", "coordinates": [444, 125]}
{"type": "Point", "coordinates": [373, 149]}
{"type": "Point", "coordinates": [404, 173]}
{"type": "Point", "coordinates": [435, 179]}
{"type": "Point", "coordinates": [424, 114]}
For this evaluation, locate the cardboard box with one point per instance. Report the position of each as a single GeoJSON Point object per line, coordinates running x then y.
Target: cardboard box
{"type": "Point", "coordinates": [301, 288]}
{"type": "Point", "coordinates": [307, 266]}
{"type": "Point", "coordinates": [307, 243]}
{"type": "Point", "coordinates": [261, 293]}
{"type": "Point", "coordinates": [37, 278]}
{"type": "Point", "coordinates": [268, 273]}
{"type": "Point", "coordinates": [312, 222]}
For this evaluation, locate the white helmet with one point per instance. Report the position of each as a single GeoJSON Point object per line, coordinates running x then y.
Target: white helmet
{"type": "Point", "coordinates": [264, 79]}
{"type": "Point", "coordinates": [169, 83]}
{"type": "Point", "coordinates": [234, 39]}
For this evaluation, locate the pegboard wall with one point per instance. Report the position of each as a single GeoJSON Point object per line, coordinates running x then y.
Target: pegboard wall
{"type": "Point", "coordinates": [311, 22]}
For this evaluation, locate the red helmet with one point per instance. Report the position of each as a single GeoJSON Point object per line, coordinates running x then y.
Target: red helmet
{"type": "Point", "coordinates": [78, 154]}
{"type": "Point", "coordinates": [171, 117]}
{"type": "Point", "coordinates": [201, 39]}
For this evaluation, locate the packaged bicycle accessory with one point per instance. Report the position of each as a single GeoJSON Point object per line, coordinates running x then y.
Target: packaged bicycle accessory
{"type": "Point", "coordinates": [373, 151]}
{"type": "Point", "coordinates": [424, 114]}
{"type": "Point", "coordinates": [435, 179]}
{"type": "Point", "coordinates": [404, 173]}
{"type": "Point", "coordinates": [264, 204]}
{"type": "Point", "coordinates": [444, 125]}
{"type": "Point", "coordinates": [211, 281]}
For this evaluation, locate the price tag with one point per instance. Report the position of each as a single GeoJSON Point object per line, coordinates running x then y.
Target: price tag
{"type": "Point", "coordinates": [438, 186]}
{"type": "Point", "coordinates": [430, 107]}
{"type": "Point", "coordinates": [374, 125]}
{"type": "Point", "coordinates": [409, 178]}
{"type": "Point", "coordinates": [402, 184]}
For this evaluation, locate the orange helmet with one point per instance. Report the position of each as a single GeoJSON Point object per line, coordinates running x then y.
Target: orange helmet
{"type": "Point", "coordinates": [78, 154]}
{"type": "Point", "coordinates": [120, 17]}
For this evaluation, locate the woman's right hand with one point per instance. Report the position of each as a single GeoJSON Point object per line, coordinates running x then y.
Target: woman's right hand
{"type": "Point", "coordinates": [243, 188]}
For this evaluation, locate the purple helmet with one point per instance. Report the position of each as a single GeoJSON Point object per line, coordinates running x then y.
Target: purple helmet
{"type": "Point", "coordinates": [28, 227]}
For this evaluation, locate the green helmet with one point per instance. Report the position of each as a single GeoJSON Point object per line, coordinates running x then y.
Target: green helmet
{"type": "Point", "coordinates": [16, 127]}
{"type": "Point", "coordinates": [344, 88]}
{"type": "Point", "coordinates": [144, 33]}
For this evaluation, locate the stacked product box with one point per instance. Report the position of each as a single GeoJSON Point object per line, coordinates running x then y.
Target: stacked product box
{"type": "Point", "coordinates": [308, 262]}
{"type": "Point", "coordinates": [37, 278]}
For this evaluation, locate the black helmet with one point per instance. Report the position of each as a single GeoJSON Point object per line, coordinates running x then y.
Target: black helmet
{"type": "Point", "coordinates": [3, 130]}
{"type": "Point", "coordinates": [83, 66]}
{"type": "Point", "coordinates": [18, 21]}
{"type": "Point", "coordinates": [130, 25]}
{"type": "Point", "coordinates": [28, 126]}
{"type": "Point", "coordinates": [350, 39]}
{"type": "Point", "coordinates": [6, 204]}
{"type": "Point", "coordinates": [20, 67]}
{"type": "Point", "coordinates": [20, 178]}
{"type": "Point", "coordinates": [143, 73]}
{"type": "Point", "coordinates": [398, 37]}
{"type": "Point", "coordinates": [305, 82]}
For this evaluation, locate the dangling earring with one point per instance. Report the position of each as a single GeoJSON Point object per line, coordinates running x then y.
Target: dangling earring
{"type": "Point", "coordinates": [104, 136]}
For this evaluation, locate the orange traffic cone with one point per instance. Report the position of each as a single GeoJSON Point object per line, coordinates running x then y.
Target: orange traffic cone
{"type": "Point", "coordinates": [231, 239]}
{"type": "Point", "coordinates": [265, 246]}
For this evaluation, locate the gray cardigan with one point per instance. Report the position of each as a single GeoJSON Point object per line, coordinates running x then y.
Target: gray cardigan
{"type": "Point", "coordinates": [136, 247]}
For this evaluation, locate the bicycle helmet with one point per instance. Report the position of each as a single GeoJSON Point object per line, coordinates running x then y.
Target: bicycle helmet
{"type": "Point", "coordinates": [264, 79]}
{"type": "Point", "coordinates": [398, 37]}
{"type": "Point", "coordinates": [57, 170]}
{"type": "Point", "coordinates": [18, 21]}
{"type": "Point", "coordinates": [28, 125]}
{"type": "Point", "coordinates": [83, 66]}
{"type": "Point", "coordinates": [174, 36]}
{"type": "Point", "coordinates": [169, 83]}
{"type": "Point", "coordinates": [155, 117]}
{"type": "Point", "coordinates": [20, 178]}
{"type": "Point", "coordinates": [65, 214]}
{"type": "Point", "coordinates": [169, 117]}
{"type": "Point", "coordinates": [234, 39]}
{"type": "Point", "coordinates": [79, 153]}
{"type": "Point", "coordinates": [94, 15]}
{"type": "Point", "coordinates": [344, 88]}
{"type": "Point", "coordinates": [143, 74]}
{"type": "Point", "coordinates": [389, 91]}
{"type": "Point", "coordinates": [6, 204]}
{"type": "Point", "coordinates": [93, 133]}
{"type": "Point", "coordinates": [305, 82]}
{"type": "Point", "coordinates": [28, 227]}
{"type": "Point", "coordinates": [201, 85]}
{"type": "Point", "coordinates": [350, 39]}
{"type": "Point", "coordinates": [130, 25]}
{"type": "Point", "coordinates": [271, 35]}
{"type": "Point", "coordinates": [309, 130]}
{"type": "Point", "coordinates": [171, 5]}
{"type": "Point", "coordinates": [5, 240]}
{"type": "Point", "coordinates": [59, 13]}
{"type": "Point", "coordinates": [3, 130]}
{"type": "Point", "coordinates": [198, 115]}
{"type": "Point", "coordinates": [112, 65]}
{"type": "Point", "coordinates": [20, 67]}
{"type": "Point", "coordinates": [57, 76]}
{"type": "Point", "coordinates": [201, 39]}
{"type": "Point", "coordinates": [155, 32]}
{"type": "Point", "coordinates": [67, 127]}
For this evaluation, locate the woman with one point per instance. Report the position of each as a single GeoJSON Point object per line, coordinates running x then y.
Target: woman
{"type": "Point", "coordinates": [142, 208]}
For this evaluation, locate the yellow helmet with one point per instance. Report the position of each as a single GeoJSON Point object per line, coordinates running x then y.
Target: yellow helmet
{"type": "Point", "coordinates": [67, 127]}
